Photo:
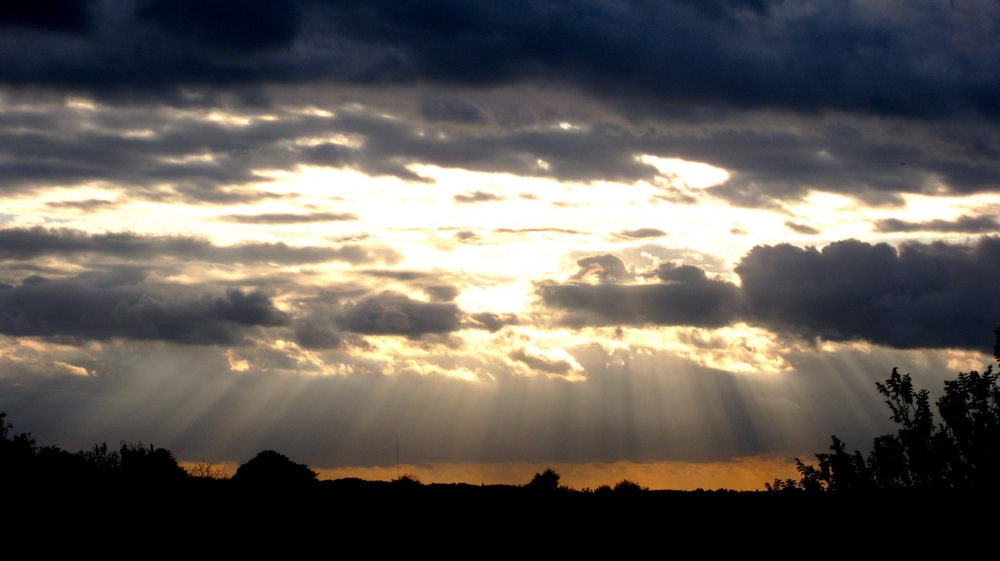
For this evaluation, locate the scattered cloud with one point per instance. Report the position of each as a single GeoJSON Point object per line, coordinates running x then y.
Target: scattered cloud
{"type": "Point", "coordinates": [476, 197]}
{"type": "Point", "coordinates": [962, 225]}
{"type": "Point", "coordinates": [642, 233]}
{"type": "Point", "coordinates": [290, 218]}
{"type": "Point", "coordinates": [28, 243]}
{"type": "Point", "coordinates": [803, 229]}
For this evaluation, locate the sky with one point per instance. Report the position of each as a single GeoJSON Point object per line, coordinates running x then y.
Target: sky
{"type": "Point", "coordinates": [674, 241]}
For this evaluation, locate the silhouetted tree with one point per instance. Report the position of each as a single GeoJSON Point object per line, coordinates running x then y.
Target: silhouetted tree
{"type": "Point", "coordinates": [548, 480]}
{"type": "Point", "coordinates": [272, 468]}
{"type": "Point", "coordinates": [970, 409]}
{"type": "Point", "coordinates": [962, 452]}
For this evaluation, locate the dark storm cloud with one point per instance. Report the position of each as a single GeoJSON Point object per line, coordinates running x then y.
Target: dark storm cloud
{"type": "Point", "coordinates": [317, 334]}
{"type": "Point", "coordinates": [396, 314]}
{"type": "Point", "coordinates": [694, 300]}
{"type": "Point", "coordinates": [290, 218]}
{"type": "Point", "coordinates": [162, 153]}
{"type": "Point", "coordinates": [451, 110]}
{"type": "Point", "coordinates": [85, 309]}
{"type": "Point", "coordinates": [936, 295]}
{"type": "Point", "coordinates": [923, 59]}
{"type": "Point", "coordinates": [29, 243]}
{"type": "Point", "coordinates": [159, 152]}
{"type": "Point", "coordinates": [236, 26]}
{"type": "Point", "coordinates": [60, 16]}
{"type": "Point", "coordinates": [853, 158]}
{"type": "Point", "coordinates": [920, 296]}
{"type": "Point", "coordinates": [962, 225]}
{"type": "Point", "coordinates": [327, 321]}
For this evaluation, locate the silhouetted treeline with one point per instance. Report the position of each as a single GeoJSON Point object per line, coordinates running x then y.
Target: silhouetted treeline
{"type": "Point", "coordinates": [960, 453]}
{"type": "Point", "coordinates": [22, 461]}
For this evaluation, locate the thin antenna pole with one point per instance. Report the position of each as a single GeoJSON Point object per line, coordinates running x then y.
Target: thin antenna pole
{"type": "Point", "coordinates": [397, 456]}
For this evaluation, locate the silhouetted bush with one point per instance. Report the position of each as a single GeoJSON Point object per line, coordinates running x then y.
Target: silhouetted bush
{"type": "Point", "coordinates": [272, 468]}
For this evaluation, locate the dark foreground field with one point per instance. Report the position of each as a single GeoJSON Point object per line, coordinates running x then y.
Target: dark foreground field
{"type": "Point", "coordinates": [389, 516]}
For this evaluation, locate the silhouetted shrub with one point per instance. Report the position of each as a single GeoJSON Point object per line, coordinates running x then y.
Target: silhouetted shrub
{"type": "Point", "coordinates": [272, 468]}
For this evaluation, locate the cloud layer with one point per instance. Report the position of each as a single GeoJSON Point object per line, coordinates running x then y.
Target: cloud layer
{"type": "Point", "coordinates": [920, 59]}
{"type": "Point", "coordinates": [85, 310]}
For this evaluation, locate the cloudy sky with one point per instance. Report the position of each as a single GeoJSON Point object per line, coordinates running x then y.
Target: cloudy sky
{"type": "Point", "coordinates": [676, 240]}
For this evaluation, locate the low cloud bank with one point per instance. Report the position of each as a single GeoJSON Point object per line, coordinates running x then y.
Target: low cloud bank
{"type": "Point", "coordinates": [936, 295]}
